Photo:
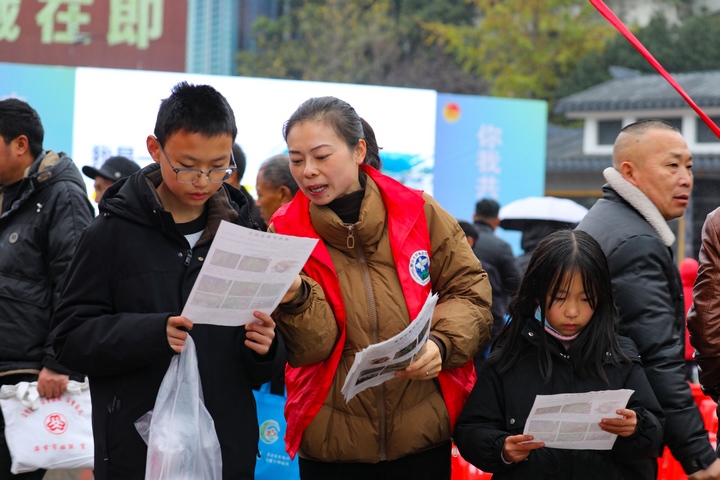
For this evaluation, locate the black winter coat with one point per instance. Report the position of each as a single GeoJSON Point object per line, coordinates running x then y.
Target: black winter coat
{"type": "Point", "coordinates": [39, 232]}
{"type": "Point", "coordinates": [133, 270]}
{"type": "Point", "coordinates": [499, 405]}
{"type": "Point", "coordinates": [649, 298]}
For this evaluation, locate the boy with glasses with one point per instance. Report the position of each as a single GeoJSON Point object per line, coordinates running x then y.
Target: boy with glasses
{"type": "Point", "coordinates": [118, 319]}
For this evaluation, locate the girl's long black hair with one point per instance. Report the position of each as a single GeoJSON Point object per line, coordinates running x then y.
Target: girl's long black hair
{"type": "Point", "coordinates": [556, 258]}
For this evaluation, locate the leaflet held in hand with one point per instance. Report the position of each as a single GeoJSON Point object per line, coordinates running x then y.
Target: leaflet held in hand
{"type": "Point", "coordinates": [378, 363]}
{"type": "Point", "coordinates": [245, 270]}
{"type": "Point", "coordinates": [570, 420]}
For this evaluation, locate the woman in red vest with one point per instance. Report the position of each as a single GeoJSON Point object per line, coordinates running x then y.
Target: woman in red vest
{"type": "Point", "coordinates": [383, 249]}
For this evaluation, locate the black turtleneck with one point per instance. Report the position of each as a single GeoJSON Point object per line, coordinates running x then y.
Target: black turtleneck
{"type": "Point", "coordinates": [347, 207]}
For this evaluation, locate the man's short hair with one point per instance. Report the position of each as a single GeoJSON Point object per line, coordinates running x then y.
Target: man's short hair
{"type": "Point", "coordinates": [487, 208]}
{"type": "Point", "coordinates": [628, 137]}
{"type": "Point", "coordinates": [642, 126]}
{"type": "Point", "coordinates": [276, 171]}
{"type": "Point", "coordinates": [18, 118]}
{"type": "Point", "coordinates": [469, 229]}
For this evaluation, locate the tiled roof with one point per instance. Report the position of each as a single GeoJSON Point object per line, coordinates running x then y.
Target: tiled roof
{"type": "Point", "coordinates": [648, 91]}
{"type": "Point", "coordinates": [564, 154]}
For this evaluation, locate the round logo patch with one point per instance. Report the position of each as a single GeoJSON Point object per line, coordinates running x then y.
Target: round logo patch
{"type": "Point", "coordinates": [55, 423]}
{"type": "Point", "coordinates": [420, 267]}
{"type": "Point", "coordinates": [269, 431]}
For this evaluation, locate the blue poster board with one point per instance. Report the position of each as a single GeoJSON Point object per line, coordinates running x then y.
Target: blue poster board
{"type": "Point", "coordinates": [51, 92]}
{"type": "Point", "coordinates": [488, 147]}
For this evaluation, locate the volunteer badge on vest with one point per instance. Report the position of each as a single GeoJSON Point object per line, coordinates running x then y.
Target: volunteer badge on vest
{"type": "Point", "coordinates": [420, 267]}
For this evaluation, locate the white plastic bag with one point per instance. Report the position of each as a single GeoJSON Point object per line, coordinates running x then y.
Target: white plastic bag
{"type": "Point", "coordinates": [179, 431]}
{"type": "Point", "coordinates": [50, 433]}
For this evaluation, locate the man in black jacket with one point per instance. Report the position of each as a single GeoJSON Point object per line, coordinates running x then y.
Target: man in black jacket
{"type": "Point", "coordinates": [648, 185]}
{"type": "Point", "coordinates": [494, 250]}
{"type": "Point", "coordinates": [43, 210]}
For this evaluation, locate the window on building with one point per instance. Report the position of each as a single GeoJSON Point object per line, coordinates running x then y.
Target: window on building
{"type": "Point", "coordinates": [704, 134]}
{"type": "Point", "coordinates": [608, 130]}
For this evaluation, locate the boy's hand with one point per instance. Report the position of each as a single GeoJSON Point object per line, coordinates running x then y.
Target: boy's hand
{"type": "Point", "coordinates": [259, 336]}
{"type": "Point", "coordinates": [624, 426]}
{"type": "Point", "coordinates": [176, 337]}
{"type": "Point", "coordinates": [518, 447]}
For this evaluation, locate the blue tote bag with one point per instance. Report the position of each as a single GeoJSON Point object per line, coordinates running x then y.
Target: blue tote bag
{"type": "Point", "coordinates": [274, 462]}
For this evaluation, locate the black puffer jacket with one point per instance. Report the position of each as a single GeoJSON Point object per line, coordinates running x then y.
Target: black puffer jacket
{"type": "Point", "coordinates": [649, 298]}
{"type": "Point", "coordinates": [133, 270]}
{"type": "Point", "coordinates": [500, 404]}
{"type": "Point", "coordinates": [38, 236]}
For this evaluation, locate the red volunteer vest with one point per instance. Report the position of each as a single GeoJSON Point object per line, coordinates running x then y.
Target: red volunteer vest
{"type": "Point", "coordinates": [308, 387]}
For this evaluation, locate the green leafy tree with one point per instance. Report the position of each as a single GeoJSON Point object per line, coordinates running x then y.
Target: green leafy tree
{"type": "Point", "coordinates": [377, 42]}
{"type": "Point", "coordinates": [524, 47]}
{"type": "Point", "coordinates": [688, 47]}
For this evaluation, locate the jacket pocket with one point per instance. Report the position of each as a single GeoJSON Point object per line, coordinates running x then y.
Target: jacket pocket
{"type": "Point", "coordinates": [26, 291]}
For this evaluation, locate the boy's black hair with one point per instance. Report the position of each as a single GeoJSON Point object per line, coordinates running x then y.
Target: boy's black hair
{"type": "Point", "coordinates": [18, 118]}
{"type": "Point", "coordinates": [195, 109]}
{"type": "Point", "coordinates": [469, 229]}
{"type": "Point", "coordinates": [343, 119]}
{"type": "Point", "coordinates": [556, 258]}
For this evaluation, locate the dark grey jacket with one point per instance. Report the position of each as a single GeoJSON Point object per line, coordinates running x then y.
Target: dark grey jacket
{"type": "Point", "coordinates": [39, 232]}
{"type": "Point", "coordinates": [649, 298]}
{"type": "Point", "coordinates": [493, 249]}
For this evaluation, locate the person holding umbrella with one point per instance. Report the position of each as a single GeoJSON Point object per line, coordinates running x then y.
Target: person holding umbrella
{"type": "Point", "coordinates": [536, 218]}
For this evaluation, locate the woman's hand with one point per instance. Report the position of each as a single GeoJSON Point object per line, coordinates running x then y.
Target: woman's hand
{"type": "Point", "coordinates": [426, 367]}
{"type": "Point", "coordinates": [624, 426]}
{"type": "Point", "coordinates": [518, 447]}
{"type": "Point", "coordinates": [259, 335]}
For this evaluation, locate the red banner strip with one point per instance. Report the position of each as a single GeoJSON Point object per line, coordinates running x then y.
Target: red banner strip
{"type": "Point", "coordinates": [612, 18]}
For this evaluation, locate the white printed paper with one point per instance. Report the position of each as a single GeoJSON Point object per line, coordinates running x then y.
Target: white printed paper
{"type": "Point", "coordinates": [570, 420]}
{"type": "Point", "coordinates": [245, 270]}
{"type": "Point", "coordinates": [378, 363]}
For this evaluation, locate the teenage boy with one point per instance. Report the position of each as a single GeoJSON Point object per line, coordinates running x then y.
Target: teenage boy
{"type": "Point", "coordinates": [118, 320]}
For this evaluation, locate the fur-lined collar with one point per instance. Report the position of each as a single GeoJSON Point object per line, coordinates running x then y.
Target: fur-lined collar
{"type": "Point", "coordinates": [640, 202]}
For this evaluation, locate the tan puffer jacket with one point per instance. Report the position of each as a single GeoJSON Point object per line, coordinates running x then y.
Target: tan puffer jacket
{"type": "Point", "coordinates": [401, 416]}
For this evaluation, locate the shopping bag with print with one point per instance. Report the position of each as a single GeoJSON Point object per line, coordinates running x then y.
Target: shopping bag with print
{"type": "Point", "coordinates": [274, 462]}
{"type": "Point", "coordinates": [48, 433]}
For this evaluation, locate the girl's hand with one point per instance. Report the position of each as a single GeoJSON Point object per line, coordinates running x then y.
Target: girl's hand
{"type": "Point", "coordinates": [426, 367]}
{"type": "Point", "coordinates": [175, 334]}
{"type": "Point", "coordinates": [259, 336]}
{"type": "Point", "coordinates": [624, 426]}
{"type": "Point", "coordinates": [518, 447]}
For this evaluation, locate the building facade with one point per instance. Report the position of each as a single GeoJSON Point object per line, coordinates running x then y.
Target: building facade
{"type": "Point", "coordinates": [576, 157]}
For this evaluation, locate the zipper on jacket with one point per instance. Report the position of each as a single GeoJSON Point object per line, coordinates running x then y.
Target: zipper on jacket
{"type": "Point", "coordinates": [188, 257]}
{"type": "Point", "coordinates": [380, 390]}
{"type": "Point", "coordinates": [351, 237]}
{"type": "Point", "coordinates": [112, 408]}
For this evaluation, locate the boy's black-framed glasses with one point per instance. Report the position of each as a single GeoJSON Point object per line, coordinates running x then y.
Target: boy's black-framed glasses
{"type": "Point", "coordinates": [191, 175]}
